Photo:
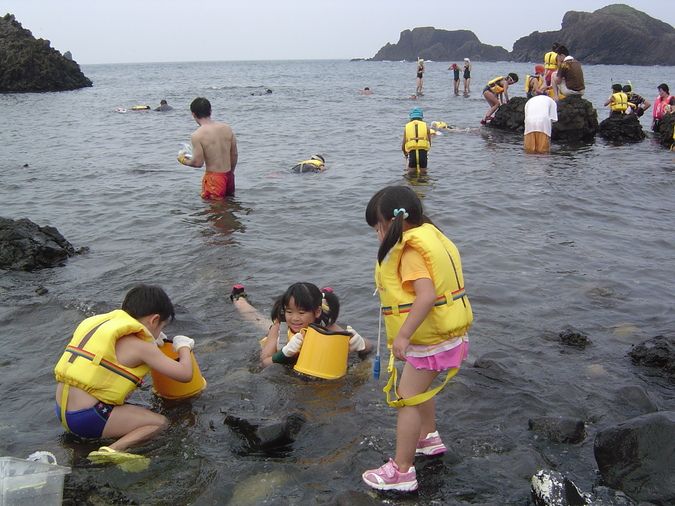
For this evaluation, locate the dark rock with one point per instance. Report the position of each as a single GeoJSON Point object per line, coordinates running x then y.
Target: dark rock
{"type": "Point", "coordinates": [616, 34]}
{"type": "Point", "coordinates": [620, 128]}
{"type": "Point", "coordinates": [638, 457]}
{"type": "Point", "coordinates": [605, 496]}
{"type": "Point", "coordinates": [267, 434]}
{"type": "Point", "coordinates": [41, 290]}
{"type": "Point", "coordinates": [664, 132]}
{"type": "Point", "coordinates": [572, 337]}
{"type": "Point", "coordinates": [559, 429]}
{"type": "Point", "coordinates": [577, 119]}
{"type": "Point", "coordinates": [634, 401]}
{"type": "Point", "coordinates": [657, 352]}
{"type": "Point", "coordinates": [25, 246]}
{"type": "Point", "coordinates": [439, 45]}
{"type": "Point", "coordinates": [31, 65]}
{"type": "Point", "coordinates": [551, 488]}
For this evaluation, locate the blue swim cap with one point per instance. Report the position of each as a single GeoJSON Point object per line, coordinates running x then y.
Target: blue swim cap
{"type": "Point", "coordinates": [416, 113]}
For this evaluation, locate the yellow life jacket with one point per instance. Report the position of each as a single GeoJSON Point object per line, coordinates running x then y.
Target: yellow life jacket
{"type": "Point", "coordinates": [318, 165]}
{"type": "Point", "coordinates": [550, 60]}
{"type": "Point", "coordinates": [416, 136]}
{"type": "Point", "coordinates": [451, 315]}
{"type": "Point", "coordinates": [619, 102]}
{"type": "Point", "coordinates": [495, 86]}
{"type": "Point", "coordinates": [90, 363]}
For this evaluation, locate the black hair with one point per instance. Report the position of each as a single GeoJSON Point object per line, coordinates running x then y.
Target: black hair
{"type": "Point", "coordinates": [162, 102]}
{"type": "Point", "coordinates": [144, 300]}
{"type": "Point", "coordinates": [627, 88]}
{"type": "Point", "coordinates": [563, 50]}
{"type": "Point", "coordinates": [308, 297]}
{"type": "Point", "coordinates": [616, 87]}
{"type": "Point", "coordinates": [555, 47]}
{"type": "Point", "coordinates": [513, 76]}
{"type": "Point", "coordinates": [664, 87]}
{"type": "Point", "coordinates": [201, 107]}
{"type": "Point", "coordinates": [381, 208]}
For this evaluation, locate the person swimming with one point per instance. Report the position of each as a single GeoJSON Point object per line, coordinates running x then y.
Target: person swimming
{"type": "Point", "coordinates": [317, 163]}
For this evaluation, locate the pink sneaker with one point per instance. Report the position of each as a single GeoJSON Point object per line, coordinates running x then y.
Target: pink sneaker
{"type": "Point", "coordinates": [388, 477]}
{"type": "Point", "coordinates": [431, 445]}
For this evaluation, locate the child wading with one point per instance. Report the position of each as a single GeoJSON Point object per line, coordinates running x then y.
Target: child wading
{"type": "Point", "coordinates": [427, 316]}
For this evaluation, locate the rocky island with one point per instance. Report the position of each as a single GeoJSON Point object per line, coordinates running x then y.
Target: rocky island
{"type": "Point", "coordinates": [32, 65]}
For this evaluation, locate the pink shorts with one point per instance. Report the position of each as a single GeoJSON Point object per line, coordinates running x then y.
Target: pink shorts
{"type": "Point", "coordinates": [444, 359]}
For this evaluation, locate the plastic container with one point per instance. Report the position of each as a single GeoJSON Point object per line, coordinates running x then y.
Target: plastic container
{"type": "Point", "coordinates": [26, 483]}
{"type": "Point", "coordinates": [171, 389]}
{"type": "Point", "coordinates": [324, 353]}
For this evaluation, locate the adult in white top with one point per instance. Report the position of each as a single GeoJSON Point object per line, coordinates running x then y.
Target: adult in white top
{"type": "Point", "coordinates": [540, 112]}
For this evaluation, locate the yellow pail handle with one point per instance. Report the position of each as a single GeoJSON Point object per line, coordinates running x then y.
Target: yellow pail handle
{"type": "Point", "coordinates": [415, 399]}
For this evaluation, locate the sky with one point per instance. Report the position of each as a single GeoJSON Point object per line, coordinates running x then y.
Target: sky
{"type": "Point", "coordinates": [135, 31]}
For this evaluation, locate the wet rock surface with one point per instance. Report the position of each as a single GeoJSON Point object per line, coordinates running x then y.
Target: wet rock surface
{"type": "Point", "coordinates": [621, 128]}
{"type": "Point", "coordinates": [657, 353]}
{"type": "Point", "coordinates": [559, 429]}
{"type": "Point", "coordinates": [26, 246]}
{"type": "Point", "coordinates": [665, 131]}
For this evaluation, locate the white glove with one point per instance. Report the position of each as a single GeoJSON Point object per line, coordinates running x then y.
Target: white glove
{"type": "Point", "coordinates": [181, 342]}
{"type": "Point", "coordinates": [160, 340]}
{"type": "Point", "coordinates": [356, 343]}
{"type": "Point", "coordinates": [293, 346]}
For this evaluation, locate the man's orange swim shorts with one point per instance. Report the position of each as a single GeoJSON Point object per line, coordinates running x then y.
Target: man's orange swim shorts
{"type": "Point", "coordinates": [217, 185]}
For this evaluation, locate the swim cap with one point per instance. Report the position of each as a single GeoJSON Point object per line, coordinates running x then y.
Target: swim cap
{"type": "Point", "coordinates": [514, 77]}
{"type": "Point", "coordinates": [319, 158]}
{"type": "Point", "coordinates": [466, 59]}
{"type": "Point", "coordinates": [416, 113]}
{"type": "Point", "coordinates": [538, 69]}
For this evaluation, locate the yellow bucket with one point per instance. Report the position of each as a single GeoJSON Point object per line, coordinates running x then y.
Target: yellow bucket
{"type": "Point", "coordinates": [324, 353]}
{"type": "Point", "coordinates": [171, 389]}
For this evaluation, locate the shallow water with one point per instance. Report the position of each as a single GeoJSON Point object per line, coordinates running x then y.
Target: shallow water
{"type": "Point", "coordinates": [582, 237]}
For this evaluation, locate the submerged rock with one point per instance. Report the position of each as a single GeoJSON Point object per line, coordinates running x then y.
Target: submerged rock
{"type": "Point", "coordinates": [621, 128]}
{"type": "Point", "coordinates": [577, 119]}
{"type": "Point", "coordinates": [657, 352]}
{"type": "Point", "coordinates": [267, 434]}
{"type": "Point", "coordinates": [31, 65]}
{"type": "Point", "coordinates": [26, 246]}
{"type": "Point", "coordinates": [638, 457]}
{"type": "Point", "coordinates": [559, 429]}
{"type": "Point", "coordinates": [572, 337]}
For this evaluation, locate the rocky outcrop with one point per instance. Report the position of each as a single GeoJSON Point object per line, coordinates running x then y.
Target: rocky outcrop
{"type": "Point", "coordinates": [616, 34]}
{"type": "Point", "coordinates": [25, 246]}
{"type": "Point", "coordinates": [665, 132]}
{"type": "Point", "coordinates": [439, 45]}
{"type": "Point", "coordinates": [636, 457]}
{"type": "Point", "coordinates": [31, 65]}
{"type": "Point", "coordinates": [621, 128]}
{"type": "Point", "coordinates": [577, 120]}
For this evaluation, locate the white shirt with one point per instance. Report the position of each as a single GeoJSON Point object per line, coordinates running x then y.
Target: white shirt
{"type": "Point", "coordinates": [540, 111]}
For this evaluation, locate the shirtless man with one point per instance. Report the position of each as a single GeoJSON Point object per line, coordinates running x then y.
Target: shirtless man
{"type": "Point", "coordinates": [214, 146]}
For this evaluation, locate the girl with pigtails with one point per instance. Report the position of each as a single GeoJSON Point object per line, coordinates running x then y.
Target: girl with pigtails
{"type": "Point", "coordinates": [299, 306]}
{"type": "Point", "coordinates": [426, 314]}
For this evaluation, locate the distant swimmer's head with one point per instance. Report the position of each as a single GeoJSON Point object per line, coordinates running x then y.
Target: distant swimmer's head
{"type": "Point", "coordinates": [201, 107]}
{"type": "Point", "coordinates": [538, 69]}
{"type": "Point", "coordinates": [616, 88]}
{"type": "Point", "coordinates": [416, 113]}
{"type": "Point", "coordinates": [513, 77]}
{"type": "Point", "coordinates": [319, 158]}
{"type": "Point", "coordinates": [162, 102]}
{"type": "Point", "coordinates": [627, 88]}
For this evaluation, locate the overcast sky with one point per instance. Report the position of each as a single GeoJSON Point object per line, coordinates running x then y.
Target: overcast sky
{"type": "Point", "coordinates": [120, 31]}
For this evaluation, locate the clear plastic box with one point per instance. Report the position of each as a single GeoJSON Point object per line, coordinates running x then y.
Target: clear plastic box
{"type": "Point", "coordinates": [24, 483]}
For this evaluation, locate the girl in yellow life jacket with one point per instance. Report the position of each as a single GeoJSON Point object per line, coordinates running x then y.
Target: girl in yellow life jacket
{"type": "Point", "coordinates": [315, 164]}
{"type": "Point", "coordinates": [299, 306]}
{"type": "Point", "coordinates": [618, 101]}
{"type": "Point", "coordinates": [419, 278]}
{"type": "Point", "coordinates": [106, 360]}
{"type": "Point", "coordinates": [496, 93]}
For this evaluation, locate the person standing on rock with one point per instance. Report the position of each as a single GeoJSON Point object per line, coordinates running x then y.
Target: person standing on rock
{"type": "Point", "coordinates": [455, 77]}
{"type": "Point", "coordinates": [496, 93]}
{"type": "Point", "coordinates": [467, 77]}
{"type": "Point", "coordinates": [540, 112]}
{"type": "Point", "coordinates": [662, 105]}
{"type": "Point", "coordinates": [214, 146]}
{"type": "Point", "coordinates": [570, 77]}
{"type": "Point", "coordinates": [551, 63]}
{"type": "Point", "coordinates": [420, 77]}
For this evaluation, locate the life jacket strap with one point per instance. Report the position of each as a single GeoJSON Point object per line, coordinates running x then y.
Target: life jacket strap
{"type": "Point", "coordinates": [440, 301]}
{"type": "Point", "coordinates": [415, 399]}
{"type": "Point", "coordinates": [64, 405]}
{"type": "Point", "coordinates": [110, 366]}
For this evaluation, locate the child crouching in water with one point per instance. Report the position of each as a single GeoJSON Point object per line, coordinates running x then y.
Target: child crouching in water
{"type": "Point", "coordinates": [427, 316]}
{"type": "Point", "coordinates": [300, 305]}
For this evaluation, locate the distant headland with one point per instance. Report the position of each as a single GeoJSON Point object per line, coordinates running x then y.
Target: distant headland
{"type": "Point", "coordinates": [614, 35]}
{"type": "Point", "coordinates": [31, 65]}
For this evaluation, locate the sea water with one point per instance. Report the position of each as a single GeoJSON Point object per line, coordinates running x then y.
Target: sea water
{"type": "Point", "coordinates": [583, 238]}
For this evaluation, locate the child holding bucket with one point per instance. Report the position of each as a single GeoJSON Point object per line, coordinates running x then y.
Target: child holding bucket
{"type": "Point", "coordinates": [426, 314]}
{"type": "Point", "coordinates": [106, 360]}
{"type": "Point", "coordinates": [299, 306]}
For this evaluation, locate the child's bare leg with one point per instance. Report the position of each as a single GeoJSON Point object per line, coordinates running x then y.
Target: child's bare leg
{"type": "Point", "coordinates": [133, 425]}
{"type": "Point", "coordinates": [251, 314]}
{"type": "Point", "coordinates": [409, 423]}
